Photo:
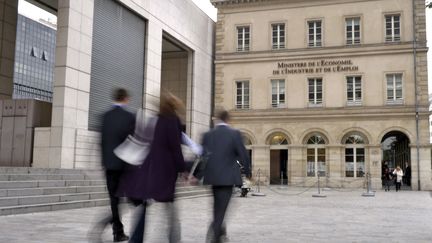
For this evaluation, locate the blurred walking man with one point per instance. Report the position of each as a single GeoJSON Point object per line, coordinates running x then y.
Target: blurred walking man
{"type": "Point", "coordinates": [223, 146]}
{"type": "Point", "coordinates": [117, 124]}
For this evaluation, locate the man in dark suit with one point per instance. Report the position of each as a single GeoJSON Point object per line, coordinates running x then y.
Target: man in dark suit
{"type": "Point", "coordinates": [224, 146]}
{"type": "Point", "coordinates": [117, 124]}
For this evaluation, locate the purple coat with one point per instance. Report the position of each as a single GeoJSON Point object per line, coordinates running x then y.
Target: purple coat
{"type": "Point", "coordinates": [157, 176]}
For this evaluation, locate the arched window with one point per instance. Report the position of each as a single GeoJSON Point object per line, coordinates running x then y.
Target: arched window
{"type": "Point", "coordinates": [316, 139]}
{"type": "Point", "coordinates": [278, 139]}
{"type": "Point", "coordinates": [316, 155]}
{"type": "Point", "coordinates": [354, 156]}
{"type": "Point", "coordinates": [246, 140]}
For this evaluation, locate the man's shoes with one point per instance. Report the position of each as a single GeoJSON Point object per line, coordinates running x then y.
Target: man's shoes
{"type": "Point", "coordinates": [120, 237]}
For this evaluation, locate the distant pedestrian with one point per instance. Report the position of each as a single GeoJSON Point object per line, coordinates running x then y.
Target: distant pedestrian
{"type": "Point", "coordinates": [398, 173]}
{"type": "Point", "coordinates": [407, 175]}
{"type": "Point", "coordinates": [387, 179]}
{"type": "Point", "coordinates": [117, 124]}
{"type": "Point", "coordinates": [224, 146]}
{"type": "Point", "coordinates": [156, 178]}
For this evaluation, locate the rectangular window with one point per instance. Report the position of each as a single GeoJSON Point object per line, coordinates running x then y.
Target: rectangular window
{"type": "Point", "coordinates": [393, 28]}
{"type": "Point", "coordinates": [278, 93]}
{"type": "Point", "coordinates": [315, 33]}
{"type": "Point", "coordinates": [321, 161]}
{"type": "Point", "coordinates": [349, 162]}
{"type": "Point", "coordinates": [354, 162]}
{"type": "Point", "coordinates": [352, 31]}
{"type": "Point", "coordinates": [315, 91]}
{"type": "Point", "coordinates": [278, 36]}
{"type": "Point", "coordinates": [243, 38]}
{"type": "Point", "coordinates": [310, 162]}
{"type": "Point", "coordinates": [242, 98]}
{"type": "Point", "coordinates": [394, 88]}
{"type": "Point", "coordinates": [316, 164]}
{"type": "Point", "coordinates": [354, 91]}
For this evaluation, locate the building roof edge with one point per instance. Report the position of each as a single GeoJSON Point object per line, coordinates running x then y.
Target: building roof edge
{"type": "Point", "coordinates": [217, 3]}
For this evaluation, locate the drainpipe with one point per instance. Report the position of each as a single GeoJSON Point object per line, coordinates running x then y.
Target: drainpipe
{"type": "Point", "coordinates": [213, 78]}
{"type": "Point", "coordinates": [416, 94]}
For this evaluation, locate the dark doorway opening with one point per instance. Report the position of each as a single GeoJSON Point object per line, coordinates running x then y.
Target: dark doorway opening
{"type": "Point", "coordinates": [279, 166]}
{"type": "Point", "coordinates": [396, 152]}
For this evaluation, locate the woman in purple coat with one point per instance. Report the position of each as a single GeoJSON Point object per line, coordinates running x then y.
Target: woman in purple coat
{"type": "Point", "coordinates": [156, 178]}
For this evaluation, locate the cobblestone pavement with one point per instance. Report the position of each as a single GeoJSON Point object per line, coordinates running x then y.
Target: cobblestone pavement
{"type": "Point", "coordinates": [289, 215]}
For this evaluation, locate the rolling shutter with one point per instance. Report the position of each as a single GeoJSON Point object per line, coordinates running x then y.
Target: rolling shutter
{"type": "Point", "coordinates": [117, 58]}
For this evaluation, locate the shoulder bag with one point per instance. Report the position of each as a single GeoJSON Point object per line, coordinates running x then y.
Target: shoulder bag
{"type": "Point", "coordinates": [136, 147]}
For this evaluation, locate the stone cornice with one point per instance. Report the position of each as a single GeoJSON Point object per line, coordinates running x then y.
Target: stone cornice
{"type": "Point", "coordinates": [384, 112]}
{"type": "Point", "coordinates": [314, 53]}
{"type": "Point", "coordinates": [235, 4]}
{"type": "Point", "coordinates": [217, 3]}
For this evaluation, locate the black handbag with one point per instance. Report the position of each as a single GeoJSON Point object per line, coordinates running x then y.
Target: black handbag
{"type": "Point", "coordinates": [199, 166]}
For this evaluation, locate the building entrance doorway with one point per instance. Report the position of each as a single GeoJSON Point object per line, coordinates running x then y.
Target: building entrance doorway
{"type": "Point", "coordinates": [279, 166]}
{"type": "Point", "coordinates": [176, 75]}
{"type": "Point", "coordinates": [396, 152]}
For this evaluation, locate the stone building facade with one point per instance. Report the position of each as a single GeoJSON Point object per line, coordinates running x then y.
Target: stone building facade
{"type": "Point", "coordinates": [333, 88]}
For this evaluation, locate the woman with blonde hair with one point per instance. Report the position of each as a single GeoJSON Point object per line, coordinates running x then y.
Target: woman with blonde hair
{"type": "Point", "coordinates": [399, 174]}
{"type": "Point", "coordinates": [156, 178]}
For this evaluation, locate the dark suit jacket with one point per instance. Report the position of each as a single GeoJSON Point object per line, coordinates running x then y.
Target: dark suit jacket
{"type": "Point", "coordinates": [117, 124]}
{"type": "Point", "coordinates": [156, 177]}
{"type": "Point", "coordinates": [224, 146]}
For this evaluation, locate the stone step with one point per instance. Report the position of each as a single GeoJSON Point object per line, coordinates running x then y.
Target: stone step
{"type": "Point", "coordinates": [209, 194]}
{"type": "Point", "coordinates": [191, 188]}
{"type": "Point", "coordinates": [53, 206]}
{"type": "Point", "coordinates": [50, 190]}
{"type": "Point", "coordinates": [191, 193]}
{"type": "Point", "coordinates": [32, 170]}
{"type": "Point", "coordinates": [44, 199]}
{"type": "Point", "coordinates": [72, 201]}
{"type": "Point", "coordinates": [49, 183]}
{"type": "Point", "coordinates": [44, 177]}
{"type": "Point", "coordinates": [54, 198]}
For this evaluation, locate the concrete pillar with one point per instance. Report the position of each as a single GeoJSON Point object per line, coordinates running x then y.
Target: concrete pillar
{"type": "Point", "coordinates": [373, 164]}
{"type": "Point", "coordinates": [335, 165]}
{"type": "Point", "coordinates": [71, 85]}
{"type": "Point", "coordinates": [261, 155]}
{"type": "Point", "coordinates": [425, 168]}
{"type": "Point", "coordinates": [8, 22]}
{"type": "Point", "coordinates": [153, 69]}
{"type": "Point", "coordinates": [296, 164]}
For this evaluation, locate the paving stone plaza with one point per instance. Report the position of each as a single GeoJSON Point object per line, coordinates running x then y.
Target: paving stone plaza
{"type": "Point", "coordinates": [283, 215]}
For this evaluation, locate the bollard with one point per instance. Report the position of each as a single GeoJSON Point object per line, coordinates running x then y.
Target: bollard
{"type": "Point", "coordinates": [319, 189]}
{"type": "Point", "coordinates": [369, 192]}
{"type": "Point", "coordinates": [282, 180]}
{"type": "Point", "coordinates": [258, 192]}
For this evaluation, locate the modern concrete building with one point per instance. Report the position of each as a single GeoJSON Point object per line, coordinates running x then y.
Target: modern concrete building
{"type": "Point", "coordinates": [144, 46]}
{"type": "Point", "coordinates": [330, 88]}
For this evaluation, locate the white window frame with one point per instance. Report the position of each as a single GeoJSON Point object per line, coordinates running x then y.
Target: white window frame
{"type": "Point", "coordinates": [243, 47]}
{"type": "Point", "coordinates": [315, 102]}
{"type": "Point", "coordinates": [278, 103]}
{"type": "Point", "coordinates": [394, 100]}
{"type": "Point", "coordinates": [315, 42]}
{"type": "Point", "coordinates": [355, 147]}
{"type": "Point", "coordinates": [352, 40]}
{"type": "Point", "coordinates": [279, 44]}
{"type": "Point", "coordinates": [315, 163]}
{"type": "Point", "coordinates": [393, 37]}
{"type": "Point", "coordinates": [355, 80]}
{"type": "Point", "coordinates": [241, 103]}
